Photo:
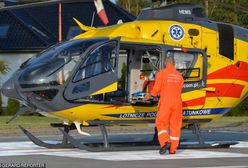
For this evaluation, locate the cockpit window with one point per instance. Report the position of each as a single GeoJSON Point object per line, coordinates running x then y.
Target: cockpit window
{"type": "Point", "coordinates": [100, 60]}
{"type": "Point", "coordinates": [61, 50]}
{"type": "Point", "coordinates": [189, 64]}
{"type": "Point", "coordinates": [54, 65]}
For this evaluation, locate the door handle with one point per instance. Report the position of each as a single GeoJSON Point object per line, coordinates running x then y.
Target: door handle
{"type": "Point", "coordinates": [209, 89]}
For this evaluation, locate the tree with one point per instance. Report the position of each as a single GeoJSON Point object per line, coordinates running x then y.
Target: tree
{"type": "Point", "coordinates": [3, 67]}
{"type": "Point", "coordinates": [240, 110]}
{"type": "Point", "coordinates": [229, 11]}
{"type": "Point", "coordinates": [134, 6]}
{"type": "Point", "coordinates": [13, 106]}
{"type": "Point", "coordinates": [123, 76]}
{"type": "Point", "coordinates": [3, 70]}
{"type": "Point", "coordinates": [1, 108]}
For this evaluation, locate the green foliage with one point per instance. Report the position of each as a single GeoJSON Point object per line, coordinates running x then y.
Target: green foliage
{"type": "Point", "coordinates": [1, 108]}
{"type": "Point", "coordinates": [134, 6]}
{"type": "Point", "coordinates": [123, 75]}
{"type": "Point", "coordinates": [13, 106]}
{"type": "Point", "coordinates": [3, 67]}
{"type": "Point", "coordinates": [229, 11]}
{"type": "Point", "coordinates": [240, 110]}
{"type": "Point", "coordinates": [3, 70]}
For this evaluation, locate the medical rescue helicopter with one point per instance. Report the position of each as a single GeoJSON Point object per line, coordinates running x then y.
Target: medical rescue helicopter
{"type": "Point", "coordinates": [100, 77]}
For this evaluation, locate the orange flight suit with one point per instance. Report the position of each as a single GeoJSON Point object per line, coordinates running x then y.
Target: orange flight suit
{"type": "Point", "coordinates": [168, 85]}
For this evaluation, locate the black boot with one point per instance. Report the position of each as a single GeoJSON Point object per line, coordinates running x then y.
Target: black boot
{"type": "Point", "coordinates": [164, 148]}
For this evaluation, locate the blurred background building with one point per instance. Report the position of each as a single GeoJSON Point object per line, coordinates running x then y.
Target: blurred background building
{"type": "Point", "coordinates": [27, 29]}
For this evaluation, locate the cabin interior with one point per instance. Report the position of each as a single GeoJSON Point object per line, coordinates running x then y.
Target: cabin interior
{"type": "Point", "coordinates": [137, 69]}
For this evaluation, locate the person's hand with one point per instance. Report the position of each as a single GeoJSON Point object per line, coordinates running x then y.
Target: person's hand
{"type": "Point", "coordinates": [147, 97]}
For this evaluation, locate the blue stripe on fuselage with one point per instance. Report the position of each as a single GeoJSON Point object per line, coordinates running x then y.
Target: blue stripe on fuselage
{"type": "Point", "coordinates": [201, 112]}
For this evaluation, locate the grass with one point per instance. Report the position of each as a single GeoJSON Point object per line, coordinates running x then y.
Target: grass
{"type": "Point", "coordinates": [41, 125]}
{"type": "Point", "coordinates": [228, 124]}
{"type": "Point", "coordinates": [37, 124]}
{"type": "Point", "coordinates": [28, 119]}
{"type": "Point", "coordinates": [228, 120]}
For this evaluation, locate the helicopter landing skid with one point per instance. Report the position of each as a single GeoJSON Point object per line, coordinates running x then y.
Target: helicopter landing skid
{"type": "Point", "coordinates": [37, 141]}
{"type": "Point", "coordinates": [106, 146]}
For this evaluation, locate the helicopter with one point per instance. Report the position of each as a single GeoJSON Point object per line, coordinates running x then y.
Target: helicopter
{"type": "Point", "coordinates": [100, 77]}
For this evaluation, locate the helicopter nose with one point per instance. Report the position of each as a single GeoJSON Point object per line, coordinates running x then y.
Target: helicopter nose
{"type": "Point", "coordinates": [8, 89]}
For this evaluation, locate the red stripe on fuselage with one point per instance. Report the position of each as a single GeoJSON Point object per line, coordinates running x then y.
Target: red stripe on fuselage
{"type": "Point", "coordinates": [239, 72]}
{"type": "Point", "coordinates": [226, 90]}
{"type": "Point", "coordinates": [194, 102]}
{"type": "Point", "coordinates": [222, 90]}
{"type": "Point", "coordinates": [113, 106]}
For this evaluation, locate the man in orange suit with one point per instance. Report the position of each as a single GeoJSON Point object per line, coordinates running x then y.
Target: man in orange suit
{"type": "Point", "coordinates": [168, 85]}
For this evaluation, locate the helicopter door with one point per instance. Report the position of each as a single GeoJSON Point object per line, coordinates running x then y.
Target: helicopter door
{"type": "Point", "coordinates": [192, 64]}
{"type": "Point", "coordinates": [97, 72]}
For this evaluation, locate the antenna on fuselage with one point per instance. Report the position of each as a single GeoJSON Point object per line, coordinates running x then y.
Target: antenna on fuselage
{"type": "Point", "coordinates": [93, 19]}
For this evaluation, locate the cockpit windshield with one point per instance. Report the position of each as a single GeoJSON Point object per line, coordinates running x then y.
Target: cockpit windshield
{"type": "Point", "coordinates": [54, 65]}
